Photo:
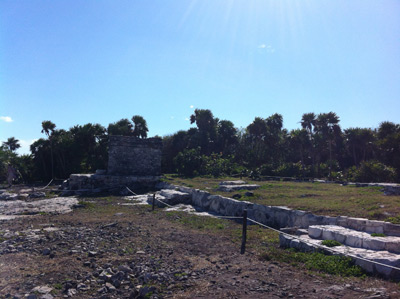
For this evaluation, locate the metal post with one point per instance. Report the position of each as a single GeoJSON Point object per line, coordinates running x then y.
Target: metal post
{"type": "Point", "coordinates": [244, 232]}
{"type": "Point", "coordinates": [154, 199]}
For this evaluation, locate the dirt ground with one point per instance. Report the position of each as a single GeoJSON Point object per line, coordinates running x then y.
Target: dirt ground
{"type": "Point", "coordinates": [105, 249]}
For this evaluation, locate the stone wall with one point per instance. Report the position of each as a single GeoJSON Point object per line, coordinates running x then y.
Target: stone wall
{"type": "Point", "coordinates": [134, 156]}
{"type": "Point", "coordinates": [280, 217]}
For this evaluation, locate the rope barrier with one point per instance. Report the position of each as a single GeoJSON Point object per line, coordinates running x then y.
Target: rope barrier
{"type": "Point", "coordinates": [291, 236]}
{"type": "Point", "coordinates": [163, 203]}
{"type": "Point", "coordinates": [323, 247]}
{"type": "Point", "coordinates": [229, 217]}
{"type": "Point", "coordinates": [130, 191]}
{"type": "Point", "coordinates": [45, 186]}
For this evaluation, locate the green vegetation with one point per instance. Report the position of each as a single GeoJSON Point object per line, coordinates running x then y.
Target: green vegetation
{"type": "Point", "coordinates": [378, 235]}
{"type": "Point", "coordinates": [86, 204]}
{"type": "Point", "coordinates": [331, 264]}
{"type": "Point", "coordinates": [394, 220]}
{"type": "Point", "coordinates": [331, 243]}
{"type": "Point", "coordinates": [214, 147]}
{"type": "Point", "coordinates": [197, 222]}
{"type": "Point", "coordinates": [318, 198]}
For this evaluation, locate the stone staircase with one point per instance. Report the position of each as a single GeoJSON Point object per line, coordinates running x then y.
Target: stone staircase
{"type": "Point", "coordinates": [367, 251]}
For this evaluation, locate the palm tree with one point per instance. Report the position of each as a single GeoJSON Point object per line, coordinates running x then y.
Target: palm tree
{"type": "Point", "coordinates": [327, 126]}
{"type": "Point", "coordinates": [12, 144]}
{"type": "Point", "coordinates": [48, 128]}
{"type": "Point", "coordinates": [140, 126]}
{"type": "Point", "coordinates": [299, 140]}
{"type": "Point", "coordinates": [308, 122]}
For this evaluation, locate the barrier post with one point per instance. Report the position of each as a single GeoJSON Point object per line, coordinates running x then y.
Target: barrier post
{"type": "Point", "coordinates": [154, 199]}
{"type": "Point", "coordinates": [244, 232]}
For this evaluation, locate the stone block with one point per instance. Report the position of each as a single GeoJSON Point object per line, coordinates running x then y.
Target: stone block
{"type": "Point", "coordinates": [342, 221]}
{"type": "Point", "coordinates": [231, 188]}
{"type": "Point", "coordinates": [173, 197]}
{"type": "Point", "coordinates": [354, 241]}
{"type": "Point", "coordinates": [391, 229]}
{"type": "Point", "coordinates": [328, 220]}
{"type": "Point", "coordinates": [357, 223]}
{"type": "Point", "coordinates": [314, 219]}
{"type": "Point", "coordinates": [328, 235]}
{"type": "Point", "coordinates": [263, 214]}
{"type": "Point", "coordinates": [393, 245]}
{"type": "Point", "coordinates": [284, 241]}
{"type": "Point", "coordinates": [374, 243]}
{"type": "Point", "coordinates": [314, 232]}
{"type": "Point", "coordinates": [238, 182]}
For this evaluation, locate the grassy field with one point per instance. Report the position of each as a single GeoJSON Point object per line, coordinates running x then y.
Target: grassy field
{"type": "Point", "coordinates": [319, 198]}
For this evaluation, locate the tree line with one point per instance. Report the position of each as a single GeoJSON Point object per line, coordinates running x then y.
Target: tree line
{"type": "Point", "coordinates": [319, 148]}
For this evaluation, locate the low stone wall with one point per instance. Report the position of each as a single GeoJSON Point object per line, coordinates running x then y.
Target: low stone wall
{"type": "Point", "coordinates": [280, 217]}
{"type": "Point", "coordinates": [360, 256]}
{"type": "Point", "coordinates": [97, 182]}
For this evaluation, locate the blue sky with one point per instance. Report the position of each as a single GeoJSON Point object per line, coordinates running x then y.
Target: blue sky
{"type": "Point", "coordinates": [81, 61]}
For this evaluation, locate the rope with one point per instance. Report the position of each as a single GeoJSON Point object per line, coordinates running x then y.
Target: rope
{"type": "Point", "coordinates": [229, 217]}
{"type": "Point", "coordinates": [131, 191]}
{"type": "Point", "coordinates": [45, 186]}
{"type": "Point", "coordinates": [323, 247]}
{"type": "Point", "coordinates": [163, 202]}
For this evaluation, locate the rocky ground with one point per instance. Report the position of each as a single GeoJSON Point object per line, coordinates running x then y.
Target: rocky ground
{"type": "Point", "coordinates": [104, 249]}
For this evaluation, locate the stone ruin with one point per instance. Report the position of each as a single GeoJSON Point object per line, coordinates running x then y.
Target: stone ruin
{"type": "Point", "coordinates": [132, 162]}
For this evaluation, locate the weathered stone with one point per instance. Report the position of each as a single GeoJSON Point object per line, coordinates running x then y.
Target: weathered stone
{"type": "Point", "coordinates": [42, 289]}
{"type": "Point", "coordinates": [49, 205]}
{"type": "Point", "coordinates": [46, 251]}
{"type": "Point", "coordinates": [8, 196]}
{"type": "Point", "coordinates": [134, 156]}
{"type": "Point", "coordinates": [315, 232]}
{"type": "Point", "coordinates": [37, 194]}
{"type": "Point", "coordinates": [173, 197]}
{"type": "Point", "coordinates": [391, 229]}
{"type": "Point", "coordinates": [231, 188]}
{"type": "Point", "coordinates": [230, 183]}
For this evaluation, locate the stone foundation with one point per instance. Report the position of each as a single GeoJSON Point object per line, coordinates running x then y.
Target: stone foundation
{"type": "Point", "coordinates": [92, 183]}
{"type": "Point", "coordinates": [132, 162]}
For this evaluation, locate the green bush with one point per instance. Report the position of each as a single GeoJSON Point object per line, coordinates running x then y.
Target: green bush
{"type": "Point", "coordinates": [216, 165]}
{"type": "Point", "coordinates": [394, 220]}
{"type": "Point", "coordinates": [290, 170]}
{"type": "Point", "coordinates": [189, 162]}
{"type": "Point", "coordinates": [378, 235]}
{"type": "Point", "coordinates": [266, 169]}
{"type": "Point", "coordinates": [333, 264]}
{"type": "Point", "coordinates": [331, 243]}
{"type": "Point", "coordinates": [371, 171]}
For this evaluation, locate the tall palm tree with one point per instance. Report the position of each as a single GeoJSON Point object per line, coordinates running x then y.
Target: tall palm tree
{"type": "Point", "coordinates": [12, 144]}
{"type": "Point", "coordinates": [308, 122]}
{"type": "Point", "coordinates": [48, 128]}
{"type": "Point", "coordinates": [327, 126]}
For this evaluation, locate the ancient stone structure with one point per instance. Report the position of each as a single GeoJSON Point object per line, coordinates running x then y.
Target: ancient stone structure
{"type": "Point", "coordinates": [370, 252]}
{"type": "Point", "coordinates": [134, 156]}
{"type": "Point", "coordinates": [133, 162]}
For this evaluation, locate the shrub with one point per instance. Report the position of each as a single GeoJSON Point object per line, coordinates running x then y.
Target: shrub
{"type": "Point", "coordinates": [217, 166]}
{"type": "Point", "coordinates": [371, 171]}
{"type": "Point", "coordinates": [290, 170]}
{"type": "Point", "coordinates": [378, 235]}
{"type": "Point", "coordinates": [394, 220]}
{"type": "Point", "coordinates": [188, 162]}
{"type": "Point", "coordinates": [331, 243]}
